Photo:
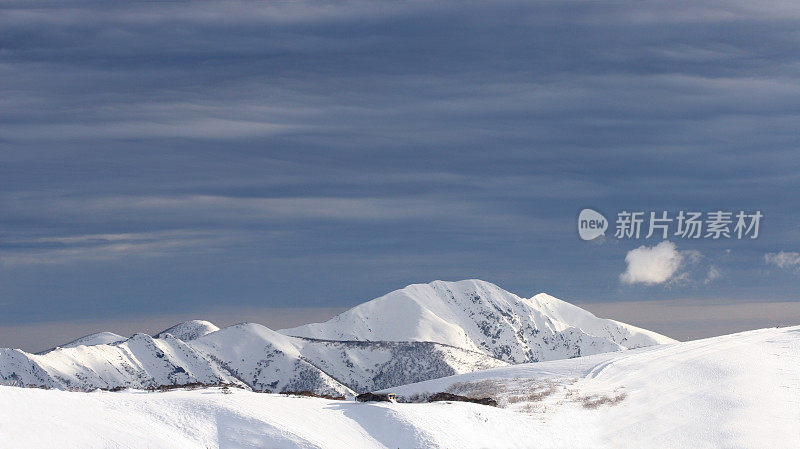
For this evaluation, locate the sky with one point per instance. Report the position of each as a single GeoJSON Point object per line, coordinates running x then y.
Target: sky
{"type": "Point", "coordinates": [282, 161]}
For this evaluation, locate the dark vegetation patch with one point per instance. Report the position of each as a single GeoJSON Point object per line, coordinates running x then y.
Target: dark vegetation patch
{"type": "Point", "coordinates": [311, 394]}
{"type": "Point", "coordinates": [186, 386]}
{"type": "Point", "coordinates": [438, 397]}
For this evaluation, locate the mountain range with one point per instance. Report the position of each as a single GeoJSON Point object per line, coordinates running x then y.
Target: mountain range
{"type": "Point", "coordinates": [420, 332]}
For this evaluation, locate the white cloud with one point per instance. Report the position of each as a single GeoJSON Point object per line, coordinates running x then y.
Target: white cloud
{"type": "Point", "coordinates": [657, 264]}
{"type": "Point", "coordinates": [783, 259]}
{"type": "Point", "coordinates": [713, 274]}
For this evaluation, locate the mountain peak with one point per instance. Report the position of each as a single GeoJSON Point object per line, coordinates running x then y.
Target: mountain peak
{"type": "Point", "coordinates": [97, 338]}
{"type": "Point", "coordinates": [189, 330]}
{"type": "Point", "coordinates": [480, 316]}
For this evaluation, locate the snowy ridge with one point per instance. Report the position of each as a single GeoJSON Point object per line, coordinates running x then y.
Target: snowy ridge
{"type": "Point", "coordinates": [138, 362]}
{"type": "Point", "coordinates": [247, 354]}
{"type": "Point", "coordinates": [479, 316]}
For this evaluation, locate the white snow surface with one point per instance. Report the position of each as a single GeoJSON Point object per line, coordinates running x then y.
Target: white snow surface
{"type": "Point", "coordinates": [480, 316]}
{"type": "Point", "coordinates": [735, 391]}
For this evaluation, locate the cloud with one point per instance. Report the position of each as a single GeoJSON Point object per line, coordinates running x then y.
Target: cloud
{"type": "Point", "coordinates": [713, 274]}
{"type": "Point", "coordinates": [104, 247]}
{"type": "Point", "coordinates": [783, 259]}
{"type": "Point", "coordinates": [216, 128]}
{"type": "Point", "coordinates": [347, 143]}
{"type": "Point", "coordinates": [657, 264]}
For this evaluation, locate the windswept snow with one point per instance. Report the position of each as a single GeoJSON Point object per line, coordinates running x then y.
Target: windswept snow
{"type": "Point", "coordinates": [735, 391]}
{"type": "Point", "coordinates": [479, 316]}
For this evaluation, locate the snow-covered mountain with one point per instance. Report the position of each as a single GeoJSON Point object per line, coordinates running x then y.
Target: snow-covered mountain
{"type": "Point", "coordinates": [246, 354]}
{"type": "Point", "coordinates": [734, 391]}
{"type": "Point", "coordinates": [422, 332]}
{"type": "Point", "coordinates": [479, 316]}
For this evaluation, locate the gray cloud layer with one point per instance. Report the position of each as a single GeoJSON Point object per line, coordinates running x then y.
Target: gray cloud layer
{"type": "Point", "coordinates": [165, 156]}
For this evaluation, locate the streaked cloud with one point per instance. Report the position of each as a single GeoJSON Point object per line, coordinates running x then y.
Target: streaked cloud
{"type": "Point", "coordinates": [100, 247]}
{"type": "Point", "coordinates": [783, 259]}
{"type": "Point", "coordinates": [175, 155]}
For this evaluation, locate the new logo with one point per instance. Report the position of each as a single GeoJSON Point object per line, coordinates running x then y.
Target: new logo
{"type": "Point", "coordinates": [591, 224]}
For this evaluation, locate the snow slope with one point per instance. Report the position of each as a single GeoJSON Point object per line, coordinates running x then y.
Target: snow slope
{"type": "Point", "coordinates": [480, 316]}
{"type": "Point", "coordinates": [247, 354]}
{"type": "Point", "coordinates": [735, 391]}
{"type": "Point", "coordinates": [31, 419]}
